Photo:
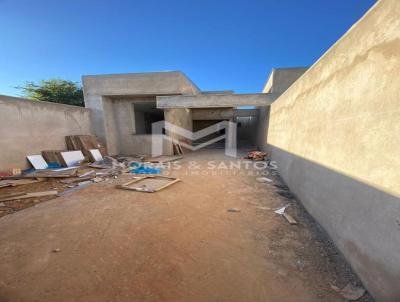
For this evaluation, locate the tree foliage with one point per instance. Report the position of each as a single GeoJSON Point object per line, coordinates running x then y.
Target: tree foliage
{"type": "Point", "coordinates": [54, 90]}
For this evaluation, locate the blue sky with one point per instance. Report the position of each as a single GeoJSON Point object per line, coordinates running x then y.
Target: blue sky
{"type": "Point", "coordinates": [219, 44]}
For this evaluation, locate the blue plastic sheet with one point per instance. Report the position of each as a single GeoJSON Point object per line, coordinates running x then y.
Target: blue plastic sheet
{"type": "Point", "coordinates": [144, 169]}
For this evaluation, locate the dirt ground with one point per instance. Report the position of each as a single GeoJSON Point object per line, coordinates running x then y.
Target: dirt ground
{"type": "Point", "coordinates": [179, 244]}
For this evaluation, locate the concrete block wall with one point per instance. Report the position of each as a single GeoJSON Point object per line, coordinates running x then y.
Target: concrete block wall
{"type": "Point", "coordinates": [335, 134]}
{"type": "Point", "coordinates": [28, 127]}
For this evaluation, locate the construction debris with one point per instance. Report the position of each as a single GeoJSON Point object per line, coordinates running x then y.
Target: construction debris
{"type": "Point", "coordinates": [23, 195]}
{"type": "Point", "coordinates": [177, 148]}
{"type": "Point", "coordinates": [37, 161]}
{"type": "Point", "coordinates": [256, 155]}
{"type": "Point", "coordinates": [73, 158]}
{"type": "Point", "coordinates": [80, 186]}
{"type": "Point", "coordinates": [84, 143]}
{"type": "Point", "coordinates": [149, 184]}
{"type": "Point", "coordinates": [72, 180]}
{"type": "Point", "coordinates": [162, 159]}
{"type": "Point", "coordinates": [288, 217]}
{"type": "Point", "coordinates": [54, 157]}
{"type": "Point", "coordinates": [352, 293]}
{"type": "Point", "coordinates": [60, 173]}
{"type": "Point", "coordinates": [95, 155]}
{"type": "Point", "coordinates": [18, 182]}
{"type": "Point", "coordinates": [142, 168]}
{"type": "Point", "coordinates": [263, 179]}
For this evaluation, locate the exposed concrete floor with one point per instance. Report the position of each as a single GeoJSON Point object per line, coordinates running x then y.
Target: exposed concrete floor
{"type": "Point", "coordinates": [179, 244]}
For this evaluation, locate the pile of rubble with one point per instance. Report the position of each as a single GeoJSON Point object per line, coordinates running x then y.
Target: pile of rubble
{"type": "Point", "coordinates": [67, 171]}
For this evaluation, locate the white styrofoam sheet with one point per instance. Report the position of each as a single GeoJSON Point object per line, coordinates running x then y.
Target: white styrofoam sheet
{"type": "Point", "coordinates": [72, 158]}
{"type": "Point", "coordinates": [37, 161]}
{"type": "Point", "coordinates": [96, 154]}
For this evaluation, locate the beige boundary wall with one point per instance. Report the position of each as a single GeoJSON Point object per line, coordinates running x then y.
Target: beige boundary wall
{"type": "Point", "coordinates": [28, 127]}
{"type": "Point", "coordinates": [335, 134]}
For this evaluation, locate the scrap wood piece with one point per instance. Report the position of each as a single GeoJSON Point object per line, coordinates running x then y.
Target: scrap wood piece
{"type": "Point", "coordinates": [177, 148]}
{"type": "Point", "coordinates": [149, 183]}
{"type": "Point", "coordinates": [54, 156]}
{"type": "Point", "coordinates": [72, 180]}
{"type": "Point", "coordinates": [23, 195]}
{"type": "Point", "coordinates": [85, 174]}
{"type": "Point", "coordinates": [162, 159]}
{"type": "Point", "coordinates": [80, 186]}
{"type": "Point", "coordinates": [61, 173]}
{"type": "Point", "coordinates": [84, 143]}
{"type": "Point", "coordinates": [263, 179]}
{"type": "Point", "coordinates": [288, 217]}
{"type": "Point", "coordinates": [18, 182]}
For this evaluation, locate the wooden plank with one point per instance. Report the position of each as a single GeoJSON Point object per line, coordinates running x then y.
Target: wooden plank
{"type": "Point", "coordinates": [168, 184]}
{"type": "Point", "coordinates": [53, 156]}
{"type": "Point", "coordinates": [289, 218]}
{"type": "Point", "coordinates": [180, 148]}
{"type": "Point", "coordinates": [18, 182]}
{"type": "Point", "coordinates": [127, 186]}
{"type": "Point", "coordinates": [162, 159]}
{"type": "Point", "coordinates": [28, 195]}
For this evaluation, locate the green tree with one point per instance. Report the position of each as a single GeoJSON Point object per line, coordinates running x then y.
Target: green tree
{"type": "Point", "coordinates": [54, 90]}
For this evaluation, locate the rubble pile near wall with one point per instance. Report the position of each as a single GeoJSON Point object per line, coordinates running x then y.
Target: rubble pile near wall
{"type": "Point", "coordinates": [60, 172]}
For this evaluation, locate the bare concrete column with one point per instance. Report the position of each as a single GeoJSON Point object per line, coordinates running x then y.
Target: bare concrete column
{"type": "Point", "coordinates": [181, 117]}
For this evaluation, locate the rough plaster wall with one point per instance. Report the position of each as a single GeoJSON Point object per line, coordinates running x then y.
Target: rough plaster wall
{"type": "Point", "coordinates": [262, 128]}
{"type": "Point", "coordinates": [28, 127]}
{"type": "Point", "coordinates": [110, 123]}
{"type": "Point", "coordinates": [335, 134]}
{"type": "Point", "coordinates": [130, 143]}
{"type": "Point", "coordinates": [212, 113]}
{"type": "Point", "coordinates": [247, 132]}
{"type": "Point", "coordinates": [179, 117]}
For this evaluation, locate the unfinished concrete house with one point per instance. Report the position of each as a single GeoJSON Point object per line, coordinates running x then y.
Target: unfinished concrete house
{"type": "Point", "coordinates": [124, 106]}
{"type": "Point", "coordinates": [315, 218]}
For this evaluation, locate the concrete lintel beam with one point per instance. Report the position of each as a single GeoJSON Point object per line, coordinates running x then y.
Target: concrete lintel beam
{"type": "Point", "coordinates": [215, 100]}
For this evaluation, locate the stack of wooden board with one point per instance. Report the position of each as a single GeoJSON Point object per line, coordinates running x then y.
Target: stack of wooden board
{"type": "Point", "coordinates": [85, 143]}
{"type": "Point", "coordinates": [54, 156]}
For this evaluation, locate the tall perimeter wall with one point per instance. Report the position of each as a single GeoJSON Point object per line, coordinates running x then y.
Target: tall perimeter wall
{"type": "Point", "coordinates": [335, 134]}
{"type": "Point", "coordinates": [27, 127]}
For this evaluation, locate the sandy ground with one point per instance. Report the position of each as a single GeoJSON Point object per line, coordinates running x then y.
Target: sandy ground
{"type": "Point", "coordinates": [179, 244]}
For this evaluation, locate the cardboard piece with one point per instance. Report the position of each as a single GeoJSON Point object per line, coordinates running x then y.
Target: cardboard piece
{"type": "Point", "coordinates": [37, 161]}
{"type": "Point", "coordinates": [72, 158]}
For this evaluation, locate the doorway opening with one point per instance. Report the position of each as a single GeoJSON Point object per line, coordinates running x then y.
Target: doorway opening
{"type": "Point", "coordinates": [146, 114]}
